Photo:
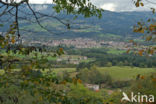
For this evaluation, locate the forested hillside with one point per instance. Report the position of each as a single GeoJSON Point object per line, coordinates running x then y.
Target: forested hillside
{"type": "Point", "coordinates": [75, 53]}
{"type": "Point", "coordinates": [112, 24]}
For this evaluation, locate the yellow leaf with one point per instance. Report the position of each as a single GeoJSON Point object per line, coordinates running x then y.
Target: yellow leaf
{"type": "Point", "coordinates": [40, 98]}
{"type": "Point", "coordinates": [74, 80]}
{"type": "Point", "coordinates": [148, 38]}
{"type": "Point", "coordinates": [13, 39]}
{"type": "Point", "coordinates": [142, 31]}
{"type": "Point", "coordinates": [137, 4]}
{"type": "Point", "coordinates": [131, 41]}
{"type": "Point", "coordinates": [36, 82]}
{"type": "Point", "coordinates": [128, 51]}
{"type": "Point", "coordinates": [64, 82]}
{"type": "Point", "coordinates": [152, 52]}
{"type": "Point", "coordinates": [152, 27]}
{"type": "Point", "coordinates": [15, 23]}
{"type": "Point", "coordinates": [61, 49]}
{"type": "Point", "coordinates": [142, 77]}
{"type": "Point", "coordinates": [154, 79]}
{"type": "Point", "coordinates": [142, 4]}
{"type": "Point", "coordinates": [79, 81]}
{"type": "Point", "coordinates": [141, 52]}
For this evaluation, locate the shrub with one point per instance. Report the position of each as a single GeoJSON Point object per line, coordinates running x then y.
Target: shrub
{"type": "Point", "coordinates": [120, 84]}
{"type": "Point", "coordinates": [109, 64]}
{"type": "Point", "coordinates": [145, 85]}
{"type": "Point", "coordinates": [63, 76]}
{"type": "Point", "coordinates": [93, 76]}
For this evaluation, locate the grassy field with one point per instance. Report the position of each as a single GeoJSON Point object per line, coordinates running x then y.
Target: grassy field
{"type": "Point", "coordinates": [125, 73]}
{"type": "Point", "coordinates": [117, 73]}
{"type": "Point", "coordinates": [116, 52]}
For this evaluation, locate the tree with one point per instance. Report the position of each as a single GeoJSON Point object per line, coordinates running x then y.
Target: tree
{"type": "Point", "coordinates": [75, 7]}
{"type": "Point", "coordinates": [147, 28]}
{"type": "Point", "coordinates": [94, 76]}
{"type": "Point", "coordinates": [28, 85]}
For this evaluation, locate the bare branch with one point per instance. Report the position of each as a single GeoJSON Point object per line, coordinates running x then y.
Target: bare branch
{"type": "Point", "coordinates": [5, 11]}
{"type": "Point", "coordinates": [13, 3]}
{"type": "Point", "coordinates": [45, 15]}
{"type": "Point", "coordinates": [17, 24]}
{"type": "Point", "coordinates": [37, 20]}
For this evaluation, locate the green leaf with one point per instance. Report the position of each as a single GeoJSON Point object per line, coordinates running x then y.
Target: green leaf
{"type": "Point", "coordinates": [153, 10]}
{"type": "Point", "coordinates": [1, 25]}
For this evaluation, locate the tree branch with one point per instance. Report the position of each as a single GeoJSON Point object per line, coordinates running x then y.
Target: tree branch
{"type": "Point", "coordinates": [37, 19]}
{"type": "Point", "coordinates": [16, 18]}
{"type": "Point", "coordinates": [13, 3]}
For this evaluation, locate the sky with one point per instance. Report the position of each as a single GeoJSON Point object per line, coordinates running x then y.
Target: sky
{"type": "Point", "coordinates": [112, 5]}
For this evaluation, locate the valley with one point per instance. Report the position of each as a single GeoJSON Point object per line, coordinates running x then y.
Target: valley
{"type": "Point", "coordinates": [71, 52]}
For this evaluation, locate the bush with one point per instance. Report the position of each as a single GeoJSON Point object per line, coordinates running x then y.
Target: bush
{"type": "Point", "coordinates": [79, 91]}
{"type": "Point", "coordinates": [93, 76]}
{"type": "Point", "coordinates": [63, 76]}
{"type": "Point", "coordinates": [109, 64]}
{"type": "Point", "coordinates": [145, 85]}
{"type": "Point", "coordinates": [120, 84]}
{"type": "Point", "coordinates": [35, 73]}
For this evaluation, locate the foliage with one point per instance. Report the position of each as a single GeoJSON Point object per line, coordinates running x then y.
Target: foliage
{"type": "Point", "coordinates": [93, 76]}
{"type": "Point", "coordinates": [120, 84]}
{"type": "Point", "coordinates": [145, 84]}
{"type": "Point", "coordinates": [81, 92]}
{"type": "Point", "coordinates": [101, 58]}
{"type": "Point", "coordinates": [28, 84]}
{"type": "Point", "coordinates": [111, 23]}
{"type": "Point", "coordinates": [84, 7]}
{"type": "Point", "coordinates": [147, 28]}
{"type": "Point", "coordinates": [109, 64]}
{"type": "Point", "coordinates": [63, 76]}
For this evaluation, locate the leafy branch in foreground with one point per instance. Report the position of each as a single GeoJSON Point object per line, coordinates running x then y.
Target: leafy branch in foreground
{"type": "Point", "coordinates": [148, 29]}
{"type": "Point", "coordinates": [23, 80]}
{"type": "Point", "coordinates": [74, 7]}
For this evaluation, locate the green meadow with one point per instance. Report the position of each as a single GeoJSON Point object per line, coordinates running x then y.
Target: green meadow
{"type": "Point", "coordinates": [117, 73]}
{"type": "Point", "coordinates": [116, 52]}
{"type": "Point", "coordinates": [126, 72]}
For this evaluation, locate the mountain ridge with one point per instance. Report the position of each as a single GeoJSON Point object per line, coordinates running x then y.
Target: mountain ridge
{"type": "Point", "coordinates": [116, 23]}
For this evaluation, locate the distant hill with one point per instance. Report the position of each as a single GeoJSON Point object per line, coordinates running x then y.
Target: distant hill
{"type": "Point", "coordinates": [111, 25]}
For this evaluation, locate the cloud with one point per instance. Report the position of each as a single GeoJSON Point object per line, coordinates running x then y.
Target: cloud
{"type": "Point", "coordinates": [120, 5]}
{"type": "Point", "coordinates": [39, 7]}
{"type": "Point", "coordinates": [112, 5]}
{"type": "Point", "coordinates": [40, 1]}
{"type": "Point", "coordinates": [109, 6]}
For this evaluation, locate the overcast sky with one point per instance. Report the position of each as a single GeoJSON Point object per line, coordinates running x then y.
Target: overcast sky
{"type": "Point", "coordinates": [112, 5]}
